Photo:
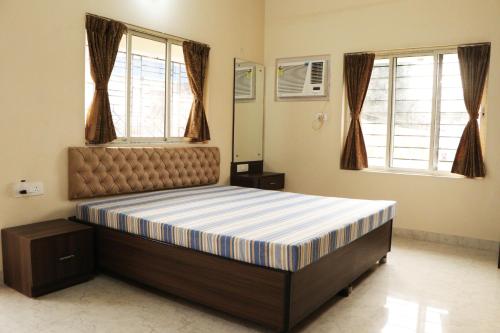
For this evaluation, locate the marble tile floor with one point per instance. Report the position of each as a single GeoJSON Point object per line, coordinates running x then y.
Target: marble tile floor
{"type": "Point", "coordinates": [424, 287]}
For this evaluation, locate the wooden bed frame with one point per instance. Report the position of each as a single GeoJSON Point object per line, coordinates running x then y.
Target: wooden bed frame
{"type": "Point", "coordinates": [273, 298]}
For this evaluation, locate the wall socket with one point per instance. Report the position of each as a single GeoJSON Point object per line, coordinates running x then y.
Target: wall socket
{"type": "Point", "coordinates": [25, 189]}
{"type": "Point", "coordinates": [241, 167]}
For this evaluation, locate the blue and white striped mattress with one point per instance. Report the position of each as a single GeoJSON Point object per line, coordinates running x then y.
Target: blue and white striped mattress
{"type": "Point", "coordinates": [281, 230]}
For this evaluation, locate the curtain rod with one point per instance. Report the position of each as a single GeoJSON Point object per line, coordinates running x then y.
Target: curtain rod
{"type": "Point", "coordinates": [411, 49]}
{"type": "Point", "coordinates": [147, 31]}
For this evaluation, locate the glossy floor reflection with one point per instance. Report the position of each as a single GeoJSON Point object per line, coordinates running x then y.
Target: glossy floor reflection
{"type": "Point", "coordinates": [405, 316]}
{"type": "Point", "coordinates": [424, 287]}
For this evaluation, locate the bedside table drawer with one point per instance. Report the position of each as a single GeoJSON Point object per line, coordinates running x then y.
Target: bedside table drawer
{"type": "Point", "coordinates": [60, 257]}
{"type": "Point", "coordinates": [272, 182]}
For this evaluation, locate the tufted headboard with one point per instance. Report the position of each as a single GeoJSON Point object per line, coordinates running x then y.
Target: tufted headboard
{"type": "Point", "coordinates": [99, 171]}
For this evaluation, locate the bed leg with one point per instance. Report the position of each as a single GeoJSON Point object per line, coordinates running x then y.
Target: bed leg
{"type": "Point", "coordinates": [383, 260]}
{"type": "Point", "coordinates": [346, 291]}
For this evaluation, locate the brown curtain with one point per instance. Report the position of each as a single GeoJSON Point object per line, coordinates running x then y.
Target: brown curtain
{"type": "Point", "coordinates": [196, 59]}
{"type": "Point", "coordinates": [104, 38]}
{"type": "Point", "coordinates": [357, 73]}
{"type": "Point", "coordinates": [474, 61]}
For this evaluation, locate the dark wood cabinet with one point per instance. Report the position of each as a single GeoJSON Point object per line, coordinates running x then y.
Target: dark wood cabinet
{"type": "Point", "coordinates": [263, 180]}
{"type": "Point", "coordinates": [43, 257]}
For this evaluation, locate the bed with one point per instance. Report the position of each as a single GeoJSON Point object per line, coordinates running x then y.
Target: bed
{"type": "Point", "coordinates": [271, 257]}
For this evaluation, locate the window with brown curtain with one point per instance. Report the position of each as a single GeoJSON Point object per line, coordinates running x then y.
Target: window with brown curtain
{"type": "Point", "coordinates": [103, 38]}
{"type": "Point", "coordinates": [148, 89]}
{"type": "Point", "coordinates": [415, 113]}
{"type": "Point", "coordinates": [196, 57]}
{"type": "Point", "coordinates": [357, 72]}
{"type": "Point", "coordinates": [474, 61]}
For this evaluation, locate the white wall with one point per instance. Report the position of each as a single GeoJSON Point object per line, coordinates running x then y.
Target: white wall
{"type": "Point", "coordinates": [311, 158]}
{"type": "Point", "coordinates": [42, 82]}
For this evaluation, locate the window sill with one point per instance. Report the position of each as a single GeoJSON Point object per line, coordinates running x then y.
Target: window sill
{"type": "Point", "coordinates": [415, 173]}
{"type": "Point", "coordinates": [123, 143]}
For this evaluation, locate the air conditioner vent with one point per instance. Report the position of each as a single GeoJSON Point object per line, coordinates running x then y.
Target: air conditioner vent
{"type": "Point", "coordinates": [317, 73]}
{"type": "Point", "coordinates": [291, 80]}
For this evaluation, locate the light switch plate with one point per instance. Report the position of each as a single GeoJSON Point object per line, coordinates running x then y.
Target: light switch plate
{"type": "Point", "coordinates": [31, 188]}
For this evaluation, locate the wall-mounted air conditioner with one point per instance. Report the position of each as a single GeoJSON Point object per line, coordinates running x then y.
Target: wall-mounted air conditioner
{"type": "Point", "coordinates": [302, 77]}
{"type": "Point", "coordinates": [244, 82]}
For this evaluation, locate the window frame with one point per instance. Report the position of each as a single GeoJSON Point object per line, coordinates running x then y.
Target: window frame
{"type": "Point", "coordinates": [432, 169]}
{"type": "Point", "coordinates": [169, 40]}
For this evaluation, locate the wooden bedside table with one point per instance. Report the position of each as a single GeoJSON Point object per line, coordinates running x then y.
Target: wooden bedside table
{"type": "Point", "coordinates": [47, 256]}
{"type": "Point", "coordinates": [263, 180]}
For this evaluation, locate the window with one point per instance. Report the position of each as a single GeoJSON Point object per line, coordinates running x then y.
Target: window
{"type": "Point", "coordinates": [414, 112]}
{"type": "Point", "coordinates": [181, 97]}
{"type": "Point", "coordinates": [149, 91]}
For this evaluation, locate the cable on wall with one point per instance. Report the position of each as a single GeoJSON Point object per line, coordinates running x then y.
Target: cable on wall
{"type": "Point", "coordinates": [319, 120]}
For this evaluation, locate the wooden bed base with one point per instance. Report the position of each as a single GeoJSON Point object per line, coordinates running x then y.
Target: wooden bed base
{"type": "Point", "coordinates": [273, 298]}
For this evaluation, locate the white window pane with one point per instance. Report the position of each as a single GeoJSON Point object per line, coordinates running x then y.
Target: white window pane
{"type": "Point", "coordinates": [374, 114]}
{"type": "Point", "coordinates": [413, 106]}
{"type": "Point", "coordinates": [453, 106]}
{"type": "Point", "coordinates": [411, 94]}
{"type": "Point", "coordinates": [409, 129]}
{"type": "Point", "coordinates": [401, 141]}
{"type": "Point", "coordinates": [453, 131]}
{"type": "Point", "coordinates": [181, 97]}
{"type": "Point", "coordinates": [413, 112]}
{"type": "Point", "coordinates": [451, 81]}
{"type": "Point", "coordinates": [420, 154]}
{"type": "Point", "coordinates": [414, 82]}
{"type": "Point", "coordinates": [176, 54]}
{"type": "Point", "coordinates": [409, 164]}
{"type": "Point", "coordinates": [451, 93]}
{"type": "Point", "coordinates": [147, 113]}
{"type": "Point", "coordinates": [447, 155]}
{"type": "Point", "coordinates": [448, 143]}
{"type": "Point", "coordinates": [89, 83]}
{"type": "Point", "coordinates": [454, 118]}
{"type": "Point", "coordinates": [116, 88]}
{"type": "Point", "coordinates": [380, 69]}
{"type": "Point", "coordinates": [371, 127]}
{"type": "Point", "coordinates": [376, 162]}
{"type": "Point", "coordinates": [376, 152]}
{"type": "Point", "coordinates": [445, 166]}
{"type": "Point", "coordinates": [376, 140]}
{"type": "Point", "coordinates": [374, 107]}
{"type": "Point", "coordinates": [417, 118]}
{"type": "Point", "coordinates": [453, 114]}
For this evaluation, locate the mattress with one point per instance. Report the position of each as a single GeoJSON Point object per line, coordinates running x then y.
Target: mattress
{"type": "Point", "coordinates": [280, 230]}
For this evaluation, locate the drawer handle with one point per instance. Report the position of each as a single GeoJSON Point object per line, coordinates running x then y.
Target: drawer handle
{"type": "Point", "coordinates": [272, 183]}
{"type": "Point", "coordinates": [71, 256]}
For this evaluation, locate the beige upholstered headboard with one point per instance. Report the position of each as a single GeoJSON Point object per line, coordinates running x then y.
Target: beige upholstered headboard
{"type": "Point", "coordinates": [99, 171]}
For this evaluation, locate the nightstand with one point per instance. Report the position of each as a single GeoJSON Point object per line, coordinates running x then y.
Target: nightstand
{"type": "Point", "coordinates": [263, 180]}
{"type": "Point", "coordinates": [43, 257]}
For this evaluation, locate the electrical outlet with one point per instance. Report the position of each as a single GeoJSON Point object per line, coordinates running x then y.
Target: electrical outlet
{"type": "Point", "coordinates": [24, 189]}
{"type": "Point", "coordinates": [241, 167]}
{"type": "Point", "coordinates": [35, 188]}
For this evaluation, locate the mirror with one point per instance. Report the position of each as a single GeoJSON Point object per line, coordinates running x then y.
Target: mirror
{"type": "Point", "coordinates": [248, 111]}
